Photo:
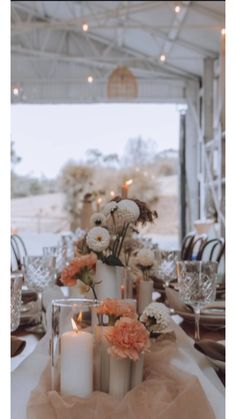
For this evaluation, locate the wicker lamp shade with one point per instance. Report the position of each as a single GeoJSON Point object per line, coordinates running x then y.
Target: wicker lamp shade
{"type": "Point", "coordinates": [122, 84]}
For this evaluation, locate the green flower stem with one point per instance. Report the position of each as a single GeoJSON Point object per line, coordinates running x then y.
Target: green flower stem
{"type": "Point", "coordinates": [123, 237]}
{"type": "Point", "coordinates": [94, 293]}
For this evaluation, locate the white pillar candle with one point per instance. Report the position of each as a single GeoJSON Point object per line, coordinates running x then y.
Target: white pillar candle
{"type": "Point", "coordinates": [119, 383]}
{"type": "Point", "coordinates": [144, 294]}
{"type": "Point", "coordinates": [137, 371]}
{"type": "Point", "coordinates": [76, 364]}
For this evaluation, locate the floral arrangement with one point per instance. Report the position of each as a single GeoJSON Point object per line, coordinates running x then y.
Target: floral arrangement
{"type": "Point", "coordinates": [115, 309]}
{"type": "Point", "coordinates": [110, 227]}
{"type": "Point", "coordinates": [128, 338]}
{"type": "Point", "coordinates": [80, 268]}
{"type": "Point", "coordinates": [156, 318]}
{"type": "Point", "coordinates": [145, 260]}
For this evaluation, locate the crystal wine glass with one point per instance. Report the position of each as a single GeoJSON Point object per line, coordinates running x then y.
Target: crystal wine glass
{"type": "Point", "coordinates": [197, 286]}
{"type": "Point", "coordinates": [167, 266]}
{"type": "Point", "coordinates": [40, 271]}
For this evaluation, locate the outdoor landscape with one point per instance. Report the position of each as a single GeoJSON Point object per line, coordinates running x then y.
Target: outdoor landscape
{"type": "Point", "coordinates": [42, 205]}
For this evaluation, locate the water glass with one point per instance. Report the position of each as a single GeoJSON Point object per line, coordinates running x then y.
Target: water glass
{"type": "Point", "coordinates": [40, 271]}
{"type": "Point", "coordinates": [197, 286]}
{"type": "Point", "coordinates": [16, 291]}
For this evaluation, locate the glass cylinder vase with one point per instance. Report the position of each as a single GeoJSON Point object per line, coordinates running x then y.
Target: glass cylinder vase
{"type": "Point", "coordinates": [72, 347]}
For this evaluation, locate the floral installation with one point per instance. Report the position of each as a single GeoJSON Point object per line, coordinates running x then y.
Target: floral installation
{"type": "Point", "coordinates": [128, 338]}
{"type": "Point", "coordinates": [145, 260]}
{"type": "Point", "coordinates": [156, 319]}
{"type": "Point", "coordinates": [121, 217]}
{"type": "Point", "coordinates": [98, 219]}
{"type": "Point", "coordinates": [98, 239]}
{"type": "Point", "coordinates": [80, 268]}
{"type": "Point", "coordinates": [115, 309]}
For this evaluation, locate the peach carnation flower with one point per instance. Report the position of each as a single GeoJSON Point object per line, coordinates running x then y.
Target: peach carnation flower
{"type": "Point", "coordinates": [128, 338]}
{"type": "Point", "coordinates": [116, 308]}
{"type": "Point", "coordinates": [73, 271]}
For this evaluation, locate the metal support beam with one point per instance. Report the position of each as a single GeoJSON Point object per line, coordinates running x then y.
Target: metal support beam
{"type": "Point", "coordinates": [182, 158]}
{"type": "Point", "coordinates": [208, 77]}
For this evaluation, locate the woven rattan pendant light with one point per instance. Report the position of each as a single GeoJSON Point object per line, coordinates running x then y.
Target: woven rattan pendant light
{"type": "Point", "coordinates": [122, 84]}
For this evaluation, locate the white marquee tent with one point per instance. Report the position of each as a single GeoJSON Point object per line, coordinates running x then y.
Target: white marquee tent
{"type": "Point", "coordinates": [169, 52]}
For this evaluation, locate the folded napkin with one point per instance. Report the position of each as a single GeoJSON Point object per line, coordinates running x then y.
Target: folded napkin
{"type": "Point", "coordinates": [212, 349]}
{"type": "Point", "coordinates": [17, 346]}
{"type": "Point", "coordinates": [175, 302]}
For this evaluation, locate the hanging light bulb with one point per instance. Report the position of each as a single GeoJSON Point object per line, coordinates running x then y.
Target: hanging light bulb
{"type": "Point", "coordinates": [177, 9]}
{"type": "Point", "coordinates": [90, 79]}
{"type": "Point", "coordinates": [162, 58]}
{"type": "Point", "coordinates": [16, 91]}
{"type": "Point", "coordinates": [85, 27]}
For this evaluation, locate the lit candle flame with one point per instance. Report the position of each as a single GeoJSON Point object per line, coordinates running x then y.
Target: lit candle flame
{"type": "Point", "coordinates": [129, 182]}
{"type": "Point", "coordinates": [99, 200]}
{"type": "Point", "coordinates": [74, 326]}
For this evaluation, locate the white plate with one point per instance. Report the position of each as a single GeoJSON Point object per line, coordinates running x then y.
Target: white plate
{"type": "Point", "coordinates": [214, 319]}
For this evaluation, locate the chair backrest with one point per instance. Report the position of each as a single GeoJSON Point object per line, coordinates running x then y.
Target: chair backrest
{"type": "Point", "coordinates": [196, 247]}
{"type": "Point", "coordinates": [18, 251]}
{"type": "Point", "coordinates": [186, 245]}
{"type": "Point", "coordinates": [213, 250]}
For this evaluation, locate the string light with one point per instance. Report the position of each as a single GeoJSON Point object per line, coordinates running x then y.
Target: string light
{"type": "Point", "coordinates": [90, 79]}
{"type": "Point", "coordinates": [223, 31]}
{"type": "Point", "coordinates": [177, 9]}
{"type": "Point", "coordinates": [162, 58]}
{"type": "Point", "coordinates": [85, 27]}
{"type": "Point", "coordinates": [16, 91]}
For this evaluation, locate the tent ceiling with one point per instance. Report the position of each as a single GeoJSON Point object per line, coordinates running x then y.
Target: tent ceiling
{"type": "Point", "coordinates": [52, 56]}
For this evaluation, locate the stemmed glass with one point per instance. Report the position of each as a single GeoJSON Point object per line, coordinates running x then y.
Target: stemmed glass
{"type": "Point", "coordinates": [197, 286]}
{"type": "Point", "coordinates": [167, 266]}
{"type": "Point", "coordinates": [40, 271]}
{"type": "Point", "coordinates": [65, 252]}
{"type": "Point", "coordinates": [40, 275]}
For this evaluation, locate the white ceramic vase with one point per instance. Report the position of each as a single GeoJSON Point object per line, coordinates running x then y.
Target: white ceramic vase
{"type": "Point", "coordinates": [137, 371]}
{"type": "Point", "coordinates": [111, 280]}
{"type": "Point", "coordinates": [119, 382]}
{"type": "Point", "coordinates": [144, 294]}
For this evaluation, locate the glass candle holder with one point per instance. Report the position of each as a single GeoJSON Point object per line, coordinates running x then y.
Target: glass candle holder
{"type": "Point", "coordinates": [72, 346]}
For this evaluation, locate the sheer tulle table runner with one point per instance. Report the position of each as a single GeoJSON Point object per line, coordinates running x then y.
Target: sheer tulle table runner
{"type": "Point", "coordinates": [167, 393]}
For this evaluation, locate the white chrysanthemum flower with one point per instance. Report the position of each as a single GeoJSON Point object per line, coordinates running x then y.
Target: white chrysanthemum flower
{"type": "Point", "coordinates": [98, 219]}
{"type": "Point", "coordinates": [98, 239]}
{"type": "Point", "coordinates": [128, 210]}
{"type": "Point", "coordinates": [156, 318]}
{"type": "Point", "coordinates": [109, 208]}
{"type": "Point", "coordinates": [145, 258]}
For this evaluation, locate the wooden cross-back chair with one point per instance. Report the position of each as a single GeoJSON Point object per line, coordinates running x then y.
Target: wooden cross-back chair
{"type": "Point", "coordinates": [186, 245]}
{"type": "Point", "coordinates": [18, 251]}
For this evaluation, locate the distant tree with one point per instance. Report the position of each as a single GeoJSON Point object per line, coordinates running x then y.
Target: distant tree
{"type": "Point", "coordinates": [95, 157]}
{"type": "Point", "coordinates": [111, 159]}
{"type": "Point", "coordinates": [75, 182]}
{"type": "Point", "coordinates": [139, 152]}
{"type": "Point", "coordinates": [15, 159]}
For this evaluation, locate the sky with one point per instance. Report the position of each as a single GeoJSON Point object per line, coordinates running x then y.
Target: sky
{"type": "Point", "coordinates": [47, 136]}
